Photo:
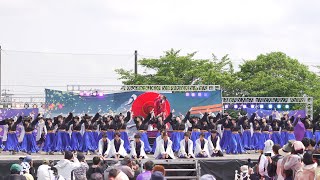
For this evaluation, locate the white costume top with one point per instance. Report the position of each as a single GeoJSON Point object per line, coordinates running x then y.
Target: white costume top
{"type": "Point", "coordinates": [113, 152]}
{"type": "Point", "coordinates": [133, 149]}
{"type": "Point", "coordinates": [160, 149]}
{"type": "Point", "coordinates": [101, 147]}
{"type": "Point", "coordinates": [211, 147]}
{"type": "Point", "coordinates": [182, 151]}
{"type": "Point", "coordinates": [198, 147]}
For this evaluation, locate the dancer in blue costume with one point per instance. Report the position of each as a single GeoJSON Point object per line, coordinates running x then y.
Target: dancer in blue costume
{"type": "Point", "coordinates": [205, 128]}
{"type": "Point", "coordinates": [121, 126]}
{"type": "Point", "coordinates": [257, 138]}
{"type": "Point", "coordinates": [265, 130]}
{"type": "Point", "coordinates": [309, 128]}
{"type": "Point", "coordinates": [178, 127]}
{"type": "Point", "coordinates": [76, 136]}
{"type": "Point", "coordinates": [142, 127]}
{"type": "Point", "coordinates": [62, 139]}
{"type": "Point", "coordinates": [226, 124]}
{"type": "Point", "coordinates": [196, 126]}
{"type": "Point", "coordinates": [316, 126]}
{"type": "Point", "coordinates": [235, 144]}
{"type": "Point", "coordinates": [50, 137]}
{"type": "Point", "coordinates": [290, 129]}
{"type": "Point", "coordinates": [107, 126]}
{"type": "Point", "coordinates": [12, 143]}
{"type": "Point", "coordinates": [276, 136]}
{"type": "Point", "coordinates": [88, 141]}
{"type": "Point", "coordinates": [29, 144]}
{"type": "Point", "coordinates": [95, 131]}
{"type": "Point", "coordinates": [246, 135]}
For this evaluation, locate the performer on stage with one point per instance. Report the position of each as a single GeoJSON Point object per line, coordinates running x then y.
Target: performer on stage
{"type": "Point", "coordinates": [41, 132]}
{"type": "Point", "coordinates": [121, 126]}
{"type": "Point", "coordinates": [257, 138]}
{"type": "Point", "coordinates": [12, 143]}
{"type": "Point", "coordinates": [265, 128]}
{"type": "Point", "coordinates": [299, 129]}
{"type": "Point", "coordinates": [107, 126]}
{"type": "Point", "coordinates": [214, 144]}
{"type": "Point", "coordinates": [95, 130]}
{"type": "Point", "coordinates": [50, 137]}
{"type": "Point", "coordinates": [116, 147]}
{"type": "Point", "coordinates": [235, 144]}
{"type": "Point", "coordinates": [178, 127]}
{"type": "Point", "coordinates": [62, 140]}
{"type": "Point", "coordinates": [316, 127]}
{"type": "Point", "coordinates": [186, 147]}
{"type": "Point", "coordinates": [276, 136]}
{"type": "Point", "coordinates": [309, 128]}
{"type": "Point", "coordinates": [88, 141]}
{"type": "Point", "coordinates": [290, 129]}
{"type": "Point", "coordinates": [142, 126]}
{"type": "Point", "coordinates": [104, 146]}
{"type": "Point", "coordinates": [76, 136]}
{"type": "Point", "coordinates": [158, 138]}
{"type": "Point", "coordinates": [164, 148]}
{"type": "Point", "coordinates": [246, 135]}
{"type": "Point", "coordinates": [284, 131]}
{"type": "Point", "coordinates": [137, 148]}
{"type": "Point", "coordinates": [196, 125]}
{"type": "Point", "coordinates": [160, 106]}
{"type": "Point", "coordinates": [202, 147]}
{"type": "Point", "coordinates": [29, 144]}
{"type": "Point", "coordinates": [226, 124]}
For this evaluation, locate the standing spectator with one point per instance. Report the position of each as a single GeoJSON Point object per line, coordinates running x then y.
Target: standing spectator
{"type": "Point", "coordinates": [311, 145]}
{"type": "Point", "coordinates": [15, 171]}
{"type": "Point", "coordinates": [307, 172]}
{"type": "Point", "coordinates": [56, 175]}
{"type": "Point", "coordinates": [127, 167]}
{"type": "Point", "coordinates": [294, 161]}
{"type": "Point", "coordinates": [285, 151]}
{"type": "Point", "coordinates": [67, 165]}
{"type": "Point", "coordinates": [95, 168]}
{"type": "Point", "coordinates": [159, 168]}
{"type": "Point", "coordinates": [25, 171]}
{"type": "Point", "coordinates": [272, 165]}
{"type": "Point", "coordinates": [157, 175]}
{"type": "Point", "coordinates": [80, 173]}
{"type": "Point", "coordinates": [148, 166]}
{"type": "Point", "coordinates": [115, 174]}
{"type": "Point", "coordinates": [27, 164]}
{"type": "Point", "coordinates": [263, 162]}
{"type": "Point", "coordinates": [44, 171]}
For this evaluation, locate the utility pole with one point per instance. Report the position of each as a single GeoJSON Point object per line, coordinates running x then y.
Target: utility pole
{"type": "Point", "coordinates": [0, 76]}
{"type": "Point", "coordinates": [136, 62]}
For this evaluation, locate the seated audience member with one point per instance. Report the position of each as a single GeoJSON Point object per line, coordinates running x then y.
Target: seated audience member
{"type": "Point", "coordinates": [164, 148]}
{"type": "Point", "coordinates": [148, 166]}
{"type": "Point", "coordinates": [95, 168]}
{"type": "Point", "coordinates": [115, 174]}
{"type": "Point", "coordinates": [294, 161]}
{"type": "Point", "coordinates": [137, 148]}
{"type": "Point", "coordinates": [15, 173]}
{"type": "Point", "coordinates": [186, 147]}
{"type": "Point", "coordinates": [202, 149]}
{"type": "Point", "coordinates": [159, 168]}
{"type": "Point", "coordinates": [104, 146]}
{"type": "Point", "coordinates": [117, 147]}
{"type": "Point", "coordinates": [307, 172]}
{"type": "Point", "coordinates": [157, 175]}
{"type": "Point", "coordinates": [214, 144]}
{"type": "Point", "coordinates": [68, 164]}
{"type": "Point", "coordinates": [263, 163]}
{"type": "Point", "coordinates": [81, 172]}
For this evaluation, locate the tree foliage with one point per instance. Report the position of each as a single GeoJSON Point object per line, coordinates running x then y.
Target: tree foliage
{"type": "Point", "coordinates": [270, 75]}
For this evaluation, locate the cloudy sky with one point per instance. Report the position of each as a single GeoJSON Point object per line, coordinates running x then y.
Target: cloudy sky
{"type": "Point", "coordinates": [55, 43]}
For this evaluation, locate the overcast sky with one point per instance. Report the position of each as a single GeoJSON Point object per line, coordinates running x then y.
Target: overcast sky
{"type": "Point", "coordinates": [114, 29]}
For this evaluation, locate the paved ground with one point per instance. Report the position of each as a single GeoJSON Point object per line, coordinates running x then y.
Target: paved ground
{"type": "Point", "coordinates": [5, 156]}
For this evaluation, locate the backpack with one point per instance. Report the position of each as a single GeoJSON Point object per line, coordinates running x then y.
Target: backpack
{"type": "Point", "coordinates": [272, 168]}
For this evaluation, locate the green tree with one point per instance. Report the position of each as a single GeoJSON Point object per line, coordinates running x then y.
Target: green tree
{"type": "Point", "coordinates": [277, 75]}
{"type": "Point", "coordinates": [176, 69]}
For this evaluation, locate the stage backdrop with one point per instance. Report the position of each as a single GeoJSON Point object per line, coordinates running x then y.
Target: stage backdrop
{"type": "Point", "coordinates": [64, 102]}
{"type": "Point", "coordinates": [11, 113]}
{"type": "Point", "coordinates": [264, 113]}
